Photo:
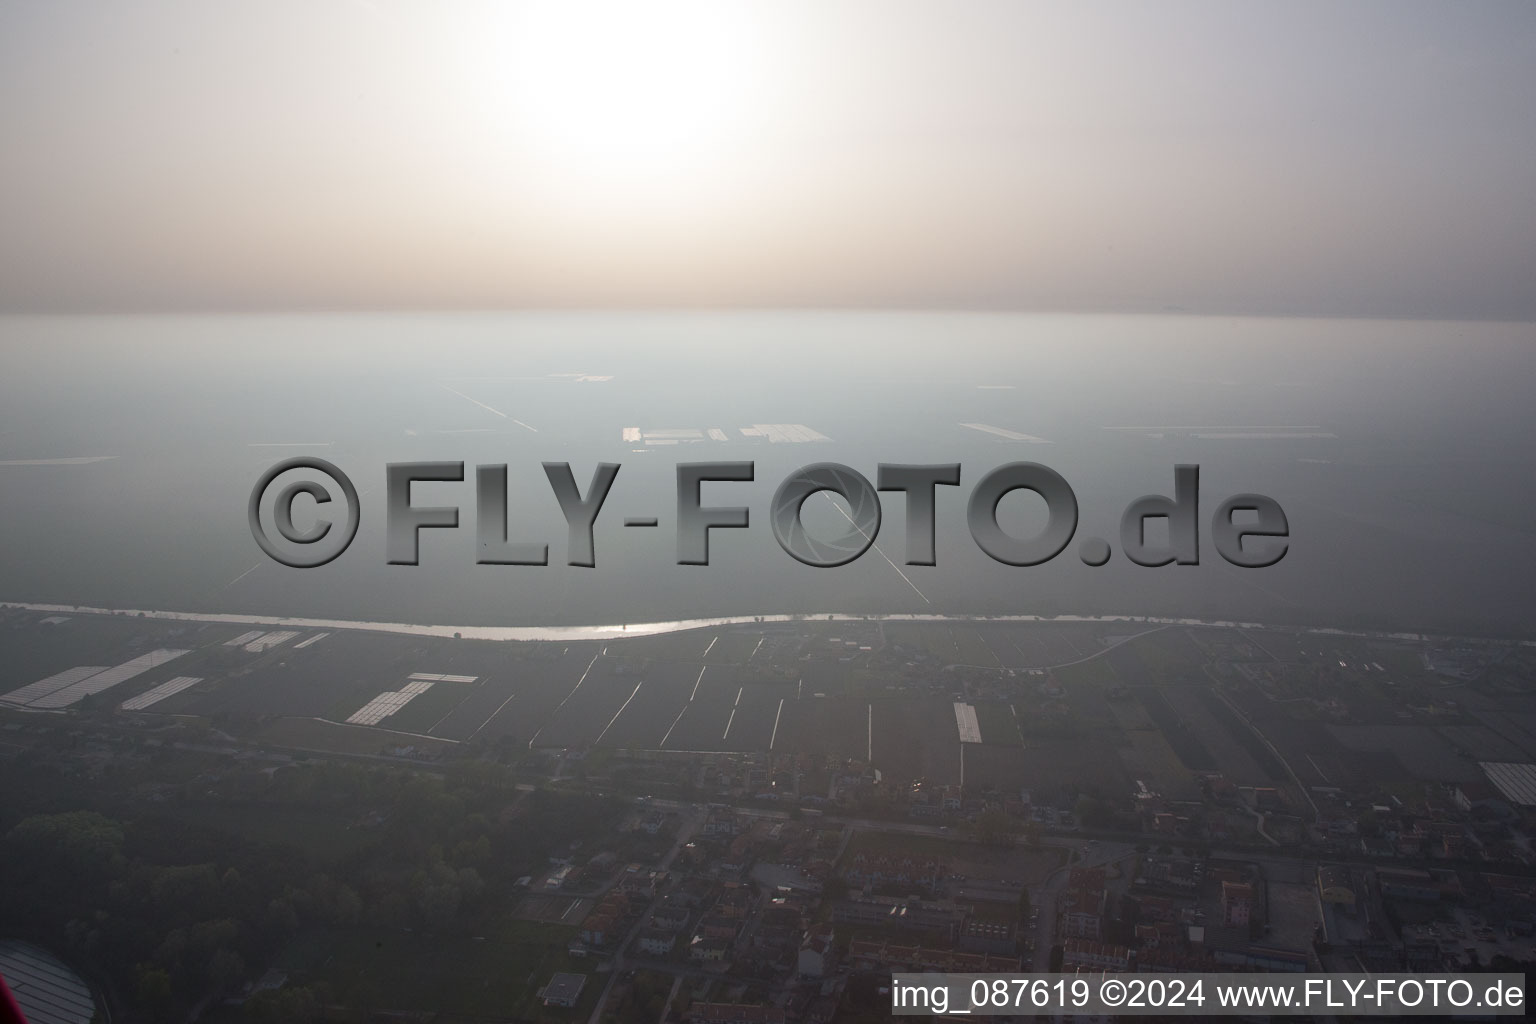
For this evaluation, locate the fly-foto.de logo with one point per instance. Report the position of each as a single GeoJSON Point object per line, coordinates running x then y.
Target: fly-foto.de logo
{"type": "Point", "coordinates": [1248, 530]}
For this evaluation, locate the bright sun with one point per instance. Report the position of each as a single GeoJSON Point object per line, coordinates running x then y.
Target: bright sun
{"type": "Point", "coordinates": [629, 89]}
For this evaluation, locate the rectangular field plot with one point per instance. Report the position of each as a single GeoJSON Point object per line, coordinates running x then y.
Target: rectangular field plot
{"type": "Point", "coordinates": [999, 724]}
{"type": "Point", "coordinates": [822, 726]}
{"type": "Point", "coordinates": [386, 704]}
{"type": "Point", "coordinates": [335, 737]}
{"type": "Point", "coordinates": [271, 640]}
{"type": "Point", "coordinates": [1218, 732]}
{"type": "Point", "coordinates": [1185, 741]}
{"type": "Point", "coordinates": [1280, 646]}
{"type": "Point", "coordinates": [819, 677]}
{"type": "Point", "coordinates": [1011, 646]}
{"type": "Point", "coordinates": [732, 647]}
{"type": "Point", "coordinates": [917, 739]}
{"type": "Point", "coordinates": [480, 703]}
{"type": "Point", "coordinates": [703, 721]}
{"type": "Point", "coordinates": [104, 680]}
{"type": "Point", "coordinates": [643, 720]}
{"type": "Point", "coordinates": [965, 722]}
{"type": "Point", "coordinates": [1094, 672]}
{"type": "Point", "coordinates": [587, 708]}
{"type": "Point", "coordinates": [30, 651]}
{"type": "Point", "coordinates": [519, 696]}
{"type": "Point", "coordinates": [1515, 728]}
{"type": "Point", "coordinates": [159, 693]}
{"type": "Point", "coordinates": [1150, 759]}
{"type": "Point", "coordinates": [973, 648]}
{"type": "Point", "coordinates": [684, 645]}
{"type": "Point", "coordinates": [330, 680]}
{"type": "Point", "coordinates": [43, 687]}
{"type": "Point", "coordinates": [1062, 644]}
{"type": "Point", "coordinates": [1003, 767]}
{"type": "Point", "coordinates": [419, 705]}
{"type": "Point", "coordinates": [1420, 751]}
{"type": "Point", "coordinates": [751, 726]}
{"type": "Point", "coordinates": [1317, 758]}
{"type": "Point", "coordinates": [429, 708]}
{"type": "Point", "coordinates": [1261, 755]}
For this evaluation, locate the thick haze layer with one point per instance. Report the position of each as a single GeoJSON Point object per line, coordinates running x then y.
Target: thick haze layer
{"type": "Point", "coordinates": [1399, 450]}
{"type": "Point", "coordinates": [1294, 158]}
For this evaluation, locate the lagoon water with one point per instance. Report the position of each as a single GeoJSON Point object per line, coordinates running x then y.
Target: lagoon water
{"type": "Point", "coordinates": [1400, 450]}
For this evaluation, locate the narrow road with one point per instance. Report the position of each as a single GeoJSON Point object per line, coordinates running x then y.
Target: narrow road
{"type": "Point", "coordinates": [685, 832]}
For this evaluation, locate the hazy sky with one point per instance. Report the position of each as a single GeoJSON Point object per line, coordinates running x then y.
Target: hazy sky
{"type": "Point", "coordinates": [1283, 157]}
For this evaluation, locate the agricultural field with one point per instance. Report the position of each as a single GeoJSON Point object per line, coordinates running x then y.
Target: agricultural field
{"type": "Point", "coordinates": [330, 737]}
{"type": "Point", "coordinates": [917, 739]}
{"type": "Point", "coordinates": [1419, 750]}
{"type": "Point", "coordinates": [1235, 752]}
{"type": "Point", "coordinates": [999, 723]}
{"type": "Point", "coordinates": [1138, 697]}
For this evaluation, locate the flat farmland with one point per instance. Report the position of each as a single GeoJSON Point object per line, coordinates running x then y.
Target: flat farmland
{"type": "Point", "coordinates": [1007, 768]}
{"type": "Point", "coordinates": [1317, 758]}
{"type": "Point", "coordinates": [1420, 751]}
{"type": "Point", "coordinates": [751, 725]}
{"type": "Point", "coordinates": [1484, 742]}
{"type": "Point", "coordinates": [731, 647]}
{"type": "Point", "coordinates": [481, 702]}
{"type": "Point", "coordinates": [1517, 728]}
{"type": "Point", "coordinates": [999, 725]}
{"type": "Point", "coordinates": [428, 709]}
{"type": "Point", "coordinates": [654, 707]}
{"type": "Point", "coordinates": [1148, 757]}
{"type": "Point", "coordinates": [936, 638]}
{"type": "Point", "coordinates": [1049, 764]}
{"type": "Point", "coordinates": [316, 681]}
{"type": "Point", "coordinates": [519, 702]}
{"type": "Point", "coordinates": [589, 706]}
{"type": "Point", "coordinates": [1280, 646]}
{"type": "Point", "coordinates": [1230, 755]}
{"type": "Point", "coordinates": [758, 692]}
{"type": "Point", "coordinates": [684, 645]}
{"type": "Point", "coordinates": [1243, 735]}
{"type": "Point", "coordinates": [1400, 662]}
{"type": "Point", "coordinates": [823, 677]}
{"type": "Point", "coordinates": [1007, 644]}
{"type": "Point", "coordinates": [916, 739]}
{"type": "Point", "coordinates": [702, 725]}
{"type": "Point", "coordinates": [1163, 656]}
{"type": "Point", "coordinates": [825, 725]}
{"type": "Point", "coordinates": [1069, 641]}
{"type": "Point", "coordinates": [1184, 740]}
{"type": "Point", "coordinates": [30, 651]}
{"type": "Point", "coordinates": [314, 734]}
{"type": "Point", "coordinates": [1144, 753]}
{"type": "Point", "coordinates": [1097, 672]}
{"type": "Point", "coordinates": [973, 648]}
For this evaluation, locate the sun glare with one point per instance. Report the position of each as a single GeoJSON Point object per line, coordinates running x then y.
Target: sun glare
{"type": "Point", "coordinates": [614, 89]}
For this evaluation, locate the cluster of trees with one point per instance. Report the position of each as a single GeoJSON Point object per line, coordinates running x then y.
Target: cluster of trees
{"type": "Point", "coordinates": [177, 913]}
{"type": "Point", "coordinates": [168, 935]}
